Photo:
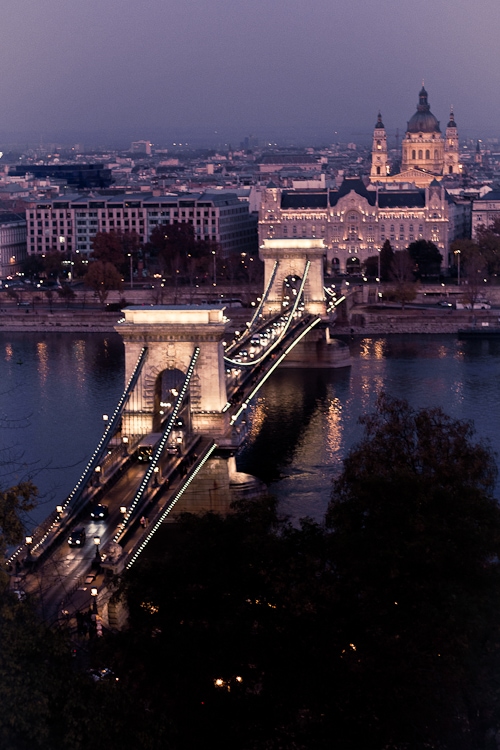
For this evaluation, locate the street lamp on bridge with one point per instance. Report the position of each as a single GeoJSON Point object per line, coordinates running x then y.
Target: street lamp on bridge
{"type": "Point", "coordinates": [29, 541]}
{"type": "Point", "coordinates": [97, 559]}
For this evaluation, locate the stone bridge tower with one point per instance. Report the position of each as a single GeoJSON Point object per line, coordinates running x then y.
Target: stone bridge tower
{"type": "Point", "coordinates": [292, 255]}
{"type": "Point", "coordinates": [171, 334]}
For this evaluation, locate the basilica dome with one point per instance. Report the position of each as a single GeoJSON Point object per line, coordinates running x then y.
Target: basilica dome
{"type": "Point", "coordinates": [423, 121]}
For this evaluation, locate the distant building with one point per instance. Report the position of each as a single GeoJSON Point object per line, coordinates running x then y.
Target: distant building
{"type": "Point", "coordinates": [12, 242]}
{"type": "Point", "coordinates": [270, 163]}
{"type": "Point", "coordinates": [485, 210]}
{"type": "Point", "coordinates": [354, 221]}
{"type": "Point", "coordinates": [426, 154]}
{"type": "Point", "coordinates": [69, 224]}
{"type": "Point", "coordinates": [141, 147]}
{"type": "Point", "coordinates": [79, 176]}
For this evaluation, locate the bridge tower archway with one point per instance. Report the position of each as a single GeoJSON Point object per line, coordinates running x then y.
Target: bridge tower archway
{"type": "Point", "coordinates": [171, 334]}
{"type": "Point", "coordinates": [292, 256]}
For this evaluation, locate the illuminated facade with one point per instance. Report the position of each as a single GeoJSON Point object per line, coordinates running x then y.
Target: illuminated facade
{"type": "Point", "coordinates": [425, 154]}
{"type": "Point", "coordinates": [355, 221]}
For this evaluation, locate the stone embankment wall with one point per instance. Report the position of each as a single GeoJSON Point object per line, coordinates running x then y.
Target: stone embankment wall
{"type": "Point", "coordinates": [60, 320]}
{"type": "Point", "coordinates": [367, 321]}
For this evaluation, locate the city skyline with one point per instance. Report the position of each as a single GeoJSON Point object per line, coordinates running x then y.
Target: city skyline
{"type": "Point", "coordinates": [214, 70]}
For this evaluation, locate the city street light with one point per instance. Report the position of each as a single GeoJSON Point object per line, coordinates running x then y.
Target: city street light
{"type": "Point", "coordinates": [457, 253]}
{"type": "Point", "coordinates": [97, 541]}
{"type": "Point", "coordinates": [156, 471]}
{"type": "Point", "coordinates": [98, 474]}
{"type": "Point", "coordinates": [29, 542]}
{"type": "Point", "coordinates": [93, 594]}
{"type": "Point", "coordinates": [131, 271]}
{"type": "Point", "coordinates": [125, 446]}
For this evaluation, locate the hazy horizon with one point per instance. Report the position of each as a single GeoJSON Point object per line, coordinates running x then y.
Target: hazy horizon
{"type": "Point", "coordinates": [215, 71]}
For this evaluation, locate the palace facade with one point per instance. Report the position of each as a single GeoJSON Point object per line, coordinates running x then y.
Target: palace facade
{"type": "Point", "coordinates": [356, 219]}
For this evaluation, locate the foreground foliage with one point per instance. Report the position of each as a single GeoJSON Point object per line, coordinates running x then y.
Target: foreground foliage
{"type": "Point", "coordinates": [378, 629]}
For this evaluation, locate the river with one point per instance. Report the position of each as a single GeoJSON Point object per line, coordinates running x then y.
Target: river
{"type": "Point", "coordinates": [56, 387]}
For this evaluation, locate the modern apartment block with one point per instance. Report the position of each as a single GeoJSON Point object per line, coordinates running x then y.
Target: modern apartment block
{"type": "Point", "coordinates": [68, 224]}
{"type": "Point", "coordinates": [485, 210]}
{"type": "Point", "coordinates": [12, 242]}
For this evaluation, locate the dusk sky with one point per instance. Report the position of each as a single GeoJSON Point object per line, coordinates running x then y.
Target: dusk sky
{"type": "Point", "coordinates": [223, 69]}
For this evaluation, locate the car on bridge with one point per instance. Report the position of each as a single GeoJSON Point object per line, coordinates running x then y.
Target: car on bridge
{"type": "Point", "coordinates": [77, 537]}
{"type": "Point", "coordinates": [99, 512]}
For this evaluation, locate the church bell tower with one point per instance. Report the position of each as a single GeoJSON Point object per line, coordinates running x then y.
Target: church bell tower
{"type": "Point", "coordinates": [380, 164]}
{"type": "Point", "coordinates": [451, 152]}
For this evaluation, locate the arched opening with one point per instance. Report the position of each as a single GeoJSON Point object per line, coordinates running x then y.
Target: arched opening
{"type": "Point", "coordinates": [353, 266]}
{"type": "Point", "coordinates": [420, 154]}
{"type": "Point", "coordinates": [450, 170]}
{"type": "Point", "coordinates": [378, 170]}
{"type": "Point", "coordinates": [335, 265]}
{"type": "Point", "coordinates": [167, 387]}
{"type": "Point", "coordinates": [427, 154]}
{"type": "Point", "coordinates": [291, 286]}
{"type": "Point", "coordinates": [413, 154]}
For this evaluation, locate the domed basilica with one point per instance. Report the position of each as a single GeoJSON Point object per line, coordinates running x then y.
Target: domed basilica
{"type": "Point", "coordinates": [426, 154]}
{"type": "Point", "coordinates": [354, 219]}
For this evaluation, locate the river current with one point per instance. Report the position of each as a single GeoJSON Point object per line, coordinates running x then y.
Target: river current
{"type": "Point", "coordinates": [56, 387]}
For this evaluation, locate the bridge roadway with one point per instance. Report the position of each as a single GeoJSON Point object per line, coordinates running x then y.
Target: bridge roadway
{"type": "Point", "coordinates": [61, 577]}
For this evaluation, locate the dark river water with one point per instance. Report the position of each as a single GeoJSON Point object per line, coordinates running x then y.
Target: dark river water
{"type": "Point", "coordinates": [56, 387]}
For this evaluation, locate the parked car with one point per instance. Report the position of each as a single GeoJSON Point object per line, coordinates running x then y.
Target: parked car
{"type": "Point", "coordinates": [77, 538]}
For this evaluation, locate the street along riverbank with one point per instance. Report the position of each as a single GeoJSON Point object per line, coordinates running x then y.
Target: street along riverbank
{"type": "Point", "coordinates": [361, 320]}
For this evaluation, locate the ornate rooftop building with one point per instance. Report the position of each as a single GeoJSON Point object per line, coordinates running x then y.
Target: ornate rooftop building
{"type": "Point", "coordinates": [426, 153]}
{"type": "Point", "coordinates": [354, 221]}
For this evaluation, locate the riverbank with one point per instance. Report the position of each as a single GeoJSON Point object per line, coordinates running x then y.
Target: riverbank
{"type": "Point", "coordinates": [67, 321]}
{"type": "Point", "coordinates": [373, 321]}
{"type": "Point", "coordinates": [363, 320]}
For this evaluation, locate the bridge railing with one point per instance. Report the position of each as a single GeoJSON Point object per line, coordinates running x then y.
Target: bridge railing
{"type": "Point", "coordinates": [258, 311]}
{"type": "Point", "coordinates": [284, 331]}
{"type": "Point", "coordinates": [163, 512]}
{"type": "Point", "coordinates": [240, 409]}
{"type": "Point", "coordinates": [159, 448]}
{"type": "Point", "coordinates": [77, 496]}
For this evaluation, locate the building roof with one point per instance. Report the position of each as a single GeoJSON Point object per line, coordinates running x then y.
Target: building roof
{"type": "Point", "coordinates": [493, 195]}
{"type": "Point", "coordinates": [9, 217]}
{"type": "Point", "coordinates": [423, 121]}
{"type": "Point", "coordinates": [304, 199]}
{"type": "Point", "coordinates": [288, 159]}
{"type": "Point", "coordinates": [356, 184]}
{"type": "Point", "coordinates": [401, 199]}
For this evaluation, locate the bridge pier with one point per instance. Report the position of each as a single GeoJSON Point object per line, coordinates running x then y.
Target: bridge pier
{"type": "Point", "coordinates": [171, 334]}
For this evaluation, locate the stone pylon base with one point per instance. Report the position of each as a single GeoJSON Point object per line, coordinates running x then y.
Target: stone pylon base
{"type": "Point", "coordinates": [216, 486]}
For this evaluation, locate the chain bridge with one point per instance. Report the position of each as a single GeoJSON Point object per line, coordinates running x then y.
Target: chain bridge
{"type": "Point", "coordinates": [171, 440]}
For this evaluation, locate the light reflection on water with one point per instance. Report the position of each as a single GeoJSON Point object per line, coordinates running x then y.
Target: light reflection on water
{"type": "Point", "coordinates": [307, 431]}
{"type": "Point", "coordinates": [55, 388]}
